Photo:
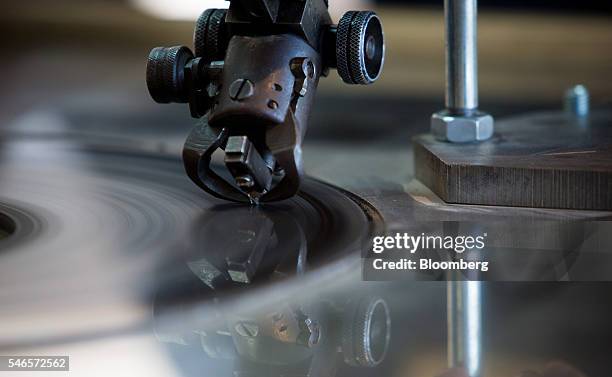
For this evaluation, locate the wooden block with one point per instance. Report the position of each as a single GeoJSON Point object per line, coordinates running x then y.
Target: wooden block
{"type": "Point", "coordinates": [543, 160]}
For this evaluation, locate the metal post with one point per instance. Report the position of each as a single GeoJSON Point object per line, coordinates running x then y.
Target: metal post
{"type": "Point", "coordinates": [577, 101]}
{"type": "Point", "coordinates": [464, 316]}
{"type": "Point", "coordinates": [461, 121]}
{"type": "Point", "coordinates": [461, 55]}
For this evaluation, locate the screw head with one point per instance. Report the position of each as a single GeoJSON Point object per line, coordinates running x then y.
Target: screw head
{"type": "Point", "coordinates": [241, 89]}
{"type": "Point", "coordinates": [247, 329]}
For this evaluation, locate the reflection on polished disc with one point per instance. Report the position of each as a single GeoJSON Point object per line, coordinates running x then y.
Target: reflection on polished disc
{"type": "Point", "coordinates": [118, 225]}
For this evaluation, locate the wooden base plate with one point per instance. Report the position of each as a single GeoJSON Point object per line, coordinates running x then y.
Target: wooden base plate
{"type": "Point", "coordinates": [543, 160]}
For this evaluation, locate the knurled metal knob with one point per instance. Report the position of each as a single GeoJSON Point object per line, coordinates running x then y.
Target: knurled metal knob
{"type": "Point", "coordinates": [366, 332]}
{"type": "Point", "coordinates": [360, 47]}
{"type": "Point", "coordinates": [210, 36]}
{"type": "Point", "coordinates": [165, 74]}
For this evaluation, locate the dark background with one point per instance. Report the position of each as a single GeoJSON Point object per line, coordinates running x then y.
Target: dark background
{"type": "Point", "coordinates": [587, 6]}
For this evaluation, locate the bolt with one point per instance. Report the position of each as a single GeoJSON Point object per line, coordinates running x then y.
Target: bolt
{"type": "Point", "coordinates": [577, 101]}
{"type": "Point", "coordinates": [246, 329]}
{"type": "Point", "coordinates": [315, 332]}
{"type": "Point", "coordinates": [241, 89]}
{"type": "Point", "coordinates": [245, 181]}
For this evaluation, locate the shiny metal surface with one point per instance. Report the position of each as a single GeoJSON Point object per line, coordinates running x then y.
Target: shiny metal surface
{"type": "Point", "coordinates": [461, 18]}
{"type": "Point", "coordinates": [461, 128]}
{"type": "Point", "coordinates": [117, 232]}
{"type": "Point", "coordinates": [464, 326]}
{"type": "Point", "coordinates": [113, 221]}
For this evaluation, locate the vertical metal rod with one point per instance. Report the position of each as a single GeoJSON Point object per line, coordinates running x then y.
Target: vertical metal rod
{"type": "Point", "coordinates": [453, 326]}
{"type": "Point", "coordinates": [464, 315]}
{"type": "Point", "coordinates": [461, 17]}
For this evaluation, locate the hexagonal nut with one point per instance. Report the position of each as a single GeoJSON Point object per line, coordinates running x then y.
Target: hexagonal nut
{"type": "Point", "coordinates": [461, 128]}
